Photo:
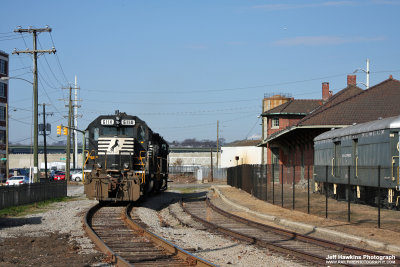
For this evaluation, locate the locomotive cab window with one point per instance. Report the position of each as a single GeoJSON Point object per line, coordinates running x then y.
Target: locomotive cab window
{"type": "Point", "coordinates": [96, 134]}
{"type": "Point", "coordinates": [113, 131]}
{"type": "Point", "coordinates": [141, 134]}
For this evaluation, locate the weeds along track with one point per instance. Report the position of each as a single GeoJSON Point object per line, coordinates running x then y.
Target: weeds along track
{"type": "Point", "coordinates": [309, 249]}
{"type": "Point", "coordinates": [127, 243]}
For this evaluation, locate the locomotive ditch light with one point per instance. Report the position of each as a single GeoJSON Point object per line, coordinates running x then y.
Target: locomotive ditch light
{"type": "Point", "coordinates": [126, 165]}
{"type": "Point", "coordinates": [99, 165]}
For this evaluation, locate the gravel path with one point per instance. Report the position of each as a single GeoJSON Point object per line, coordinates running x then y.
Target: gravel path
{"type": "Point", "coordinates": [191, 236]}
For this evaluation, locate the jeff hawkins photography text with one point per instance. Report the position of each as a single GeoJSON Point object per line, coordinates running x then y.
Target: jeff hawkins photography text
{"type": "Point", "coordinates": [362, 260]}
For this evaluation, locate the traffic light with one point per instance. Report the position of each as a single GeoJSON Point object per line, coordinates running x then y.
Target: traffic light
{"type": "Point", "coordinates": [65, 131]}
{"type": "Point", "coordinates": [59, 129]}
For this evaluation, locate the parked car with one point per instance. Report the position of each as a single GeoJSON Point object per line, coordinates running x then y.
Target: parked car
{"type": "Point", "coordinates": [54, 173]}
{"type": "Point", "coordinates": [17, 171]}
{"type": "Point", "coordinates": [17, 180]}
{"type": "Point", "coordinates": [59, 176]}
{"type": "Point", "coordinates": [78, 176]}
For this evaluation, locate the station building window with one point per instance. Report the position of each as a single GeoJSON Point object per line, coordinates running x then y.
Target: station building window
{"type": "Point", "coordinates": [2, 113]}
{"type": "Point", "coordinates": [3, 66]}
{"type": "Point", "coordinates": [3, 90]}
{"type": "Point", "coordinates": [275, 123]}
{"type": "Point", "coordinates": [2, 137]}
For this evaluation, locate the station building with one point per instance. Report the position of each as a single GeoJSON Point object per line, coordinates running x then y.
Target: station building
{"type": "Point", "coordinates": [292, 145]}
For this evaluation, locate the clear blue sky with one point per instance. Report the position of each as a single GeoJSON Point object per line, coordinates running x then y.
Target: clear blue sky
{"type": "Point", "coordinates": [183, 65]}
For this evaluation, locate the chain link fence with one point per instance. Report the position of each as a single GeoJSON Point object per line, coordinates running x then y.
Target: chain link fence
{"type": "Point", "coordinates": [360, 196]}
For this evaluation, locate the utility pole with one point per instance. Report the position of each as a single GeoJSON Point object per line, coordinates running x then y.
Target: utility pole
{"type": "Point", "coordinates": [68, 151]}
{"type": "Point", "coordinates": [367, 72]}
{"type": "Point", "coordinates": [44, 138]}
{"type": "Point", "coordinates": [35, 53]}
{"type": "Point", "coordinates": [76, 106]}
{"type": "Point", "coordinates": [217, 141]}
{"type": "Point", "coordinates": [212, 173]}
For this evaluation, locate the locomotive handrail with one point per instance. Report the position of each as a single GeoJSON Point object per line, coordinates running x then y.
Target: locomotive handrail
{"type": "Point", "coordinates": [333, 159]}
{"type": "Point", "coordinates": [143, 166]}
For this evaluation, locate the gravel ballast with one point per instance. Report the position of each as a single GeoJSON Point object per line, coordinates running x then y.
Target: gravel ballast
{"type": "Point", "coordinates": [190, 235]}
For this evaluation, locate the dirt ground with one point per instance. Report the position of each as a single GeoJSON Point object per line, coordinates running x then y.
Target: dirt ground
{"type": "Point", "coordinates": [363, 228]}
{"type": "Point", "coordinates": [50, 250]}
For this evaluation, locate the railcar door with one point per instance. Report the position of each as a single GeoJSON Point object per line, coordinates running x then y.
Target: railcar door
{"type": "Point", "coordinates": [394, 147]}
{"type": "Point", "coordinates": [355, 157]}
{"type": "Point", "coordinates": [336, 161]}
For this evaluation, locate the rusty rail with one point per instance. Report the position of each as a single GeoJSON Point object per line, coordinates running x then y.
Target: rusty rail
{"type": "Point", "coordinates": [188, 257]}
{"type": "Point", "coordinates": [314, 258]}
{"type": "Point", "coordinates": [115, 258]}
{"type": "Point", "coordinates": [172, 251]}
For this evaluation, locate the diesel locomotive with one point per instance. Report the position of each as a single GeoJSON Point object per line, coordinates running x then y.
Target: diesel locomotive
{"type": "Point", "coordinates": [127, 159]}
{"type": "Point", "coordinates": [364, 156]}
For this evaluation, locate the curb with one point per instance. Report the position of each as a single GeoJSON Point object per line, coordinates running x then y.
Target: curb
{"type": "Point", "coordinates": [308, 227]}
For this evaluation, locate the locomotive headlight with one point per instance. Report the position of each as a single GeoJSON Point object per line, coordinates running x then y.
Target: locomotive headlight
{"type": "Point", "coordinates": [126, 165]}
{"type": "Point", "coordinates": [99, 165]}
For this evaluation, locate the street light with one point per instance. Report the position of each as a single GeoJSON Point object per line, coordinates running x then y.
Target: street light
{"type": "Point", "coordinates": [17, 78]}
{"type": "Point", "coordinates": [35, 141]}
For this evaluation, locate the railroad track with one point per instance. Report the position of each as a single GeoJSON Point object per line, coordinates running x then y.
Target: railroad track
{"type": "Point", "coordinates": [313, 250]}
{"type": "Point", "coordinates": [127, 243]}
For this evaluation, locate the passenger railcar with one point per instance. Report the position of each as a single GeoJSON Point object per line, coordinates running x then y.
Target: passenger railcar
{"type": "Point", "coordinates": [126, 157]}
{"type": "Point", "coordinates": [364, 148]}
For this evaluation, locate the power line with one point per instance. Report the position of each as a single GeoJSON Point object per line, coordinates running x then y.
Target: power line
{"type": "Point", "coordinates": [174, 103]}
{"type": "Point", "coordinates": [9, 39]}
{"type": "Point", "coordinates": [252, 128]}
{"type": "Point", "coordinates": [58, 60]}
{"type": "Point", "coordinates": [48, 65]}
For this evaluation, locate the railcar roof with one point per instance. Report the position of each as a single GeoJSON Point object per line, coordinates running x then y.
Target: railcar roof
{"type": "Point", "coordinates": [387, 123]}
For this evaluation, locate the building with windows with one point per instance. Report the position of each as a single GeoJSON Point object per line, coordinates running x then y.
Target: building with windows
{"type": "Point", "coordinates": [294, 144]}
{"type": "Point", "coordinates": [3, 107]}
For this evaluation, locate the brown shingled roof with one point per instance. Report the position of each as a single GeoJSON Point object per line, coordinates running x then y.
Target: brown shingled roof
{"type": "Point", "coordinates": [243, 143]}
{"type": "Point", "coordinates": [295, 106]}
{"type": "Point", "coordinates": [354, 106]}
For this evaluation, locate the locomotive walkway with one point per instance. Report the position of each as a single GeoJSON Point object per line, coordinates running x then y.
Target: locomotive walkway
{"type": "Point", "coordinates": [245, 205]}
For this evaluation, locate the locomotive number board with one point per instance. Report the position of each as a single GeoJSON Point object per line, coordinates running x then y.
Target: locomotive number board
{"type": "Point", "coordinates": [128, 122]}
{"type": "Point", "coordinates": [123, 122]}
{"type": "Point", "coordinates": [107, 122]}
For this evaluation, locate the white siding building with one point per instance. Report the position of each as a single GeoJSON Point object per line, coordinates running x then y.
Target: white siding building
{"type": "Point", "coordinates": [242, 152]}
